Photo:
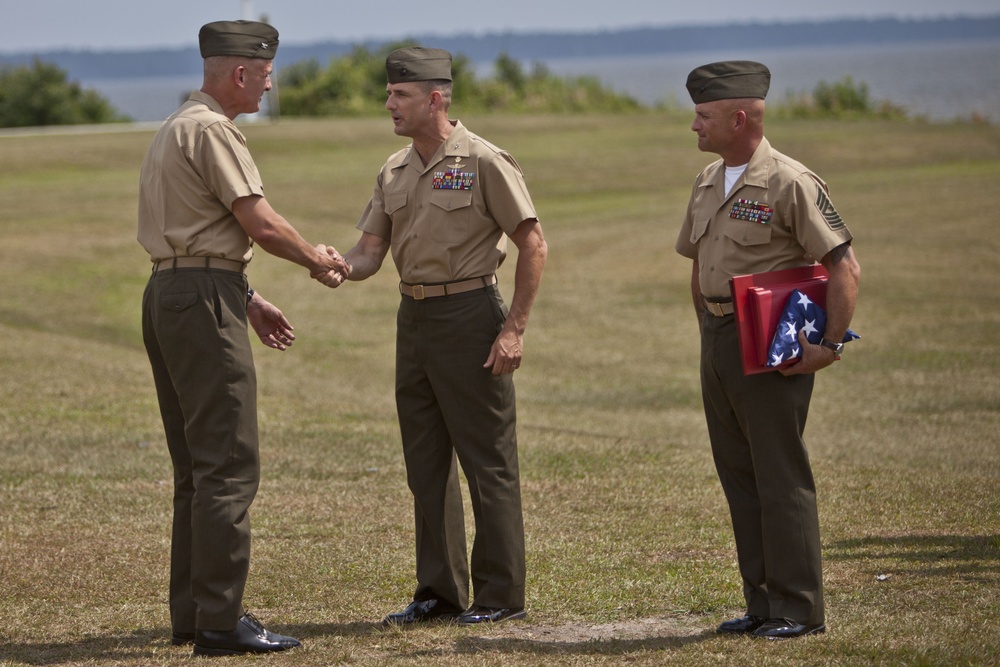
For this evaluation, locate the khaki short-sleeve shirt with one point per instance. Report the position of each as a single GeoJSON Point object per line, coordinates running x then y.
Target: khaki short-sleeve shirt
{"type": "Point", "coordinates": [778, 216]}
{"type": "Point", "coordinates": [446, 221]}
{"type": "Point", "coordinates": [197, 165]}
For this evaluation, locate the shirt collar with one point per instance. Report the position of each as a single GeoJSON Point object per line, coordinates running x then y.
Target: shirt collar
{"type": "Point", "coordinates": [757, 168]}
{"type": "Point", "coordinates": [208, 100]}
{"type": "Point", "coordinates": [456, 145]}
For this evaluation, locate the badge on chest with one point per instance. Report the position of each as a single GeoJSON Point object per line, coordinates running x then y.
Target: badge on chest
{"type": "Point", "coordinates": [745, 209]}
{"type": "Point", "coordinates": [453, 178]}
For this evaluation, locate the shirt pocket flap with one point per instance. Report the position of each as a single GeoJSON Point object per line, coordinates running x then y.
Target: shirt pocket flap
{"type": "Point", "coordinates": [748, 233]}
{"type": "Point", "coordinates": [451, 200]}
{"type": "Point", "coordinates": [698, 229]}
{"type": "Point", "coordinates": [394, 201]}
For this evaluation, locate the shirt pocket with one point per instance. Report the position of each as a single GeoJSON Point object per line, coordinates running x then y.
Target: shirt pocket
{"type": "Point", "coordinates": [452, 215]}
{"type": "Point", "coordinates": [748, 233]}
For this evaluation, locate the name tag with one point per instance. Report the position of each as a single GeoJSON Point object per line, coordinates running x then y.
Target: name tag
{"type": "Point", "coordinates": [744, 209]}
{"type": "Point", "coordinates": [453, 179]}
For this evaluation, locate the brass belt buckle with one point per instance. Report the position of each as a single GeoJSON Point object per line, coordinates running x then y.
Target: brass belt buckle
{"type": "Point", "coordinates": [418, 292]}
{"type": "Point", "coordinates": [715, 308]}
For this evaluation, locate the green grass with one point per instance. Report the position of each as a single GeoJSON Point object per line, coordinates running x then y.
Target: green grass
{"type": "Point", "coordinates": [630, 553]}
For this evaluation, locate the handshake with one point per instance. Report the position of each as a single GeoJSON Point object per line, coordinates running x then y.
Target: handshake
{"type": "Point", "coordinates": [335, 268]}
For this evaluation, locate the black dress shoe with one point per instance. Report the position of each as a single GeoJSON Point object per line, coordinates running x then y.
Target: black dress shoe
{"type": "Point", "coordinates": [181, 638]}
{"type": "Point", "coordinates": [786, 628]}
{"type": "Point", "coordinates": [478, 614]}
{"type": "Point", "coordinates": [419, 611]}
{"type": "Point", "coordinates": [743, 625]}
{"type": "Point", "coordinates": [248, 637]}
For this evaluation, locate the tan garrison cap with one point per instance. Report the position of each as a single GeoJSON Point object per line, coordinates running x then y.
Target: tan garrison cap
{"type": "Point", "coordinates": [415, 63]}
{"type": "Point", "coordinates": [249, 39]}
{"type": "Point", "coordinates": [727, 80]}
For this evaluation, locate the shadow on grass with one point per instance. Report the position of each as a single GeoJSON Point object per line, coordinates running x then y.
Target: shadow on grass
{"type": "Point", "coordinates": [966, 555]}
{"type": "Point", "coordinates": [137, 645]}
{"type": "Point", "coordinates": [604, 647]}
{"type": "Point", "coordinates": [149, 645]}
{"type": "Point", "coordinates": [142, 646]}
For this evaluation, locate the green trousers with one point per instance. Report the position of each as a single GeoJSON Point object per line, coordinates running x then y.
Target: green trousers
{"type": "Point", "coordinates": [195, 332]}
{"type": "Point", "coordinates": [756, 424]}
{"type": "Point", "coordinates": [452, 409]}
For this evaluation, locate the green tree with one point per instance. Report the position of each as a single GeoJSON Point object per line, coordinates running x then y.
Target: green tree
{"type": "Point", "coordinates": [355, 85]}
{"type": "Point", "coordinates": [41, 94]}
{"type": "Point", "coordinates": [841, 99]}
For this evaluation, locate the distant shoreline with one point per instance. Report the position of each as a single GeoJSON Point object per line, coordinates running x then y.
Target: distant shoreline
{"type": "Point", "coordinates": [543, 46]}
{"type": "Point", "coordinates": [940, 81]}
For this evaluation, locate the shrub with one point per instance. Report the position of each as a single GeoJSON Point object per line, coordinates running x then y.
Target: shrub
{"type": "Point", "coordinates": [41, 94]}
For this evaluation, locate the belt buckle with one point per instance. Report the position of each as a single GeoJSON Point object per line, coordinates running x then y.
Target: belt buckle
{"type": "Point", "coordinates": [715, 308]}
{"type": "Point", "coordinates": [418, 292]}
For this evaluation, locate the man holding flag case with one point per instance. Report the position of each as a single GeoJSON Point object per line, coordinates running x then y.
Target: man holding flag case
{"type": "Point", "coordinates": [754, 211]}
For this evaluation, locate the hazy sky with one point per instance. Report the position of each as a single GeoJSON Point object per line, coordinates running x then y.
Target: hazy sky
{"type": "Point", "coordinates": [42, 25]}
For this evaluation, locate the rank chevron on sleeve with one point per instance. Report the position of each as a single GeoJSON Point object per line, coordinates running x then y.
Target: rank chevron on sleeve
{"type": "Point", "coordinates": [829, 212]}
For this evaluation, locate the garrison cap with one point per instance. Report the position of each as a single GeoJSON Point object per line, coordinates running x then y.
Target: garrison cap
{"type": "Point", "coordinates": [250, 39]}
{"type": "Point", "coordinates": [727, 80]}
{"type": "Point", "coordinates": [415, 63]}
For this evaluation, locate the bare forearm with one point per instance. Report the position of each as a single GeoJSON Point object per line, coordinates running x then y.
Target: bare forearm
{"type": "Point", "coordinates": [531, 256]}
{"type": "Point", "coordinates": [365, 258]}
{"type": "Point", "coordinates": [276, 235]}
{"type": "Point", "coordinates": [842, 291]}
{"type": "Point", "coordinates": [280, 239]}
{"type": "Point", "coordinates": [696, 297]}
{"type": "Point", "coordinates": [527, 278]}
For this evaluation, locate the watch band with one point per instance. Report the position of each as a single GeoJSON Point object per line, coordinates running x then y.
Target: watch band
{"type": "Point", "coordinates": [836, 347]}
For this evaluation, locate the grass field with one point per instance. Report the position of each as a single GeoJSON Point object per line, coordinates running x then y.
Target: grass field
{"type": "Point", "coordinates": [630, 552]}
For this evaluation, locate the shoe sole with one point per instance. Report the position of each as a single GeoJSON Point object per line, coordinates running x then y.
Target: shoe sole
{"type": "Point", "coordinates": [212, 652]}
{"type": "Point", "coordinates": [440, 618]}
{"type": "Point", "coordinates": [720, 631]}
{"type": "Point", "coordinates": [519, 616]}
{"type": "Point", "coordinates": [815, 631]}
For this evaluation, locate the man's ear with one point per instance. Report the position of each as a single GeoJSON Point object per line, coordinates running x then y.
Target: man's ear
{"type": "Point", "coordinates": [741, 119]}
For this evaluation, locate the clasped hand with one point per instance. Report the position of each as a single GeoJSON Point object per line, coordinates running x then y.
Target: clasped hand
{"type": "Point", "coordinates": [814, 358]}
{"type": "Point", "coordinates": [336, 269]}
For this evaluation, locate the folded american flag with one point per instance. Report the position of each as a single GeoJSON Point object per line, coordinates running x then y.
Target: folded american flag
{"type": "Point", "coordinates": [800, 313]}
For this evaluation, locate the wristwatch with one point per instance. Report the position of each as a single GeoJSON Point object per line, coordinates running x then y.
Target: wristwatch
{"type": "Point", "coordinates": [836, 347]}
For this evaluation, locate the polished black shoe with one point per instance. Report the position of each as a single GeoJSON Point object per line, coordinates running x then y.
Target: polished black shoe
{"type": "Point", "coordinates": [181, 638]}
{"type": "Point", "coordinates": [419, 611]}
{"type": "Point", "coordinates": [786, 628]}
{"type": "Point", "coordinates": [478, 614]}
{"type": "Point", "coordinates": [743, 625]}
{"type": "Point", "coordinates": [248, 637]}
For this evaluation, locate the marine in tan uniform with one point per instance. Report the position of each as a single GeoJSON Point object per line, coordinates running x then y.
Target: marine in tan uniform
{"type": "Point", "coordinates": [446, 205]}
{"type": "Point", "coordinates": [201, 207]}
{"type": "Point", "coordinates": [757, 210]}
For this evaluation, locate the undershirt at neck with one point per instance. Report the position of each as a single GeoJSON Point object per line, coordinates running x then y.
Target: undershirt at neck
{"type": "Point", "coordinates": [732, 175]}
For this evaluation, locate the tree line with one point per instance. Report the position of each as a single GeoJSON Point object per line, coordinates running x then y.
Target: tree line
{"type": "Point", "coordinates": [354, 85]}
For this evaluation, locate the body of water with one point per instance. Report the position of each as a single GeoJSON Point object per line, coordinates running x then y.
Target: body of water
{"type": "Point", "coordinates": [939, 81]}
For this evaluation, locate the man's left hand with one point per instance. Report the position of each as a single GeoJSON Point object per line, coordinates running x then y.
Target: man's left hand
{"type": "Point", "coordinates": [269, 323]}
{"type": "Point", "coordinates": [814, 358]}
{"type": "Point", "coordinates": [505, 355]}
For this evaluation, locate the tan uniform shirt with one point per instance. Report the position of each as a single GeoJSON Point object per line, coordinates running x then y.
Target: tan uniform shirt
{"type": "Point", "coordinates": [446, 221]}
{"type": "Point", "coordinates": [778, 216]}
{"type": "Point", "coordinates": [196, 167]}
